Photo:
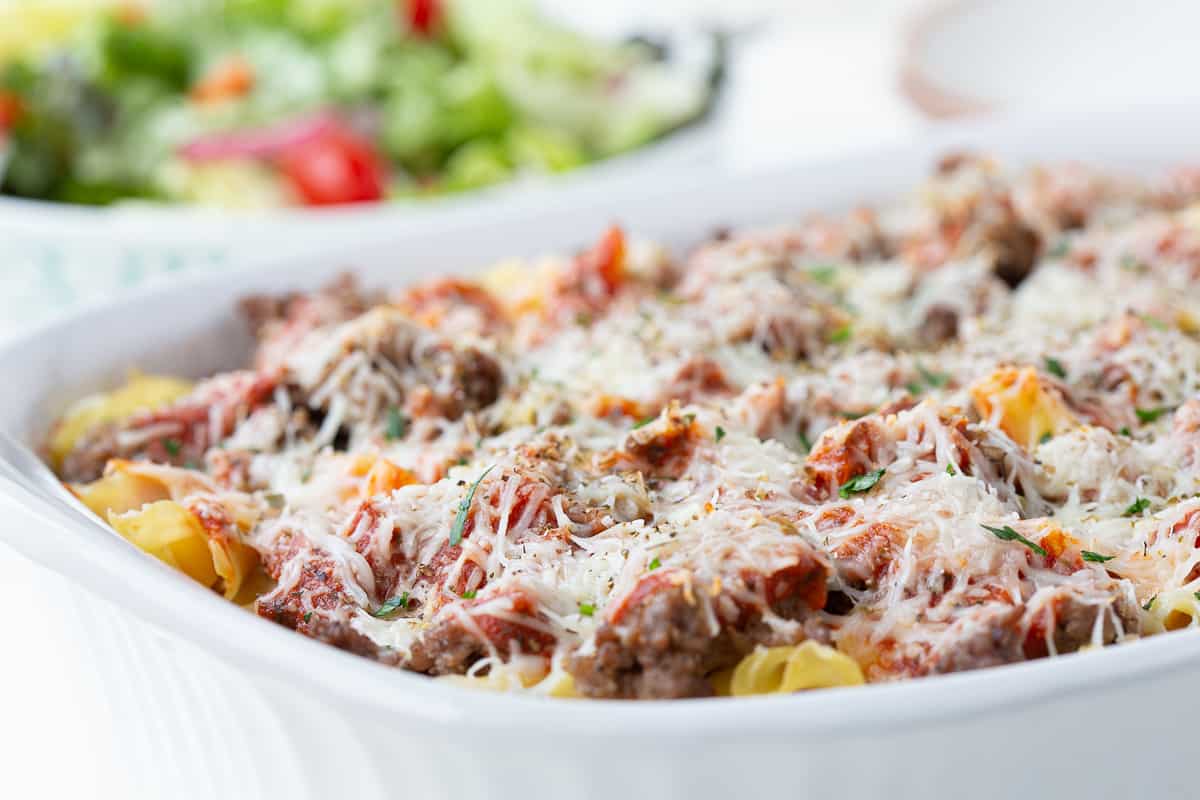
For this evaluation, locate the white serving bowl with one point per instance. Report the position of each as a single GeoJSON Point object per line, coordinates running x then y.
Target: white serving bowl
{"type": "Point", "coordinates": [55, 253]}
{"type": "Point", "coordinates": [160, 230]}
{"type": "Point", "coordinates": [212, 701]}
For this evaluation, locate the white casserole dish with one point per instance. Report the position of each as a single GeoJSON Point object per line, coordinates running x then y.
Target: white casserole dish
{"type": "Point", "coordinates": [214, 702]}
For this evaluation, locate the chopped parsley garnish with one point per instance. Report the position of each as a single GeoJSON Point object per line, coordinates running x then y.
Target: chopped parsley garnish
{"type": "Point", "coordinates": [654, 564]}
{"type": "Point", "coordinates": [950, 470]}
{"type": "Point", "coordinates": [1007, 534]}
{"type": "Point", "coordinates": [1045, 437]}
{"type": "Point", "coordinates": [307, 616]}
{"type": "Point", "coordinates": [641, 423]}
{"type": "Point", "coordinates": [1055, 367]}
{"type": "Point", "coordinates": [914, 388]}
{"type": "Point", "coordinates": [804, 442]}
{"type": "Point", "coordinates": [1196, 595]}
{"type": "Point", "coordinates": [464, 508]}
{"type": "Point", "coordinates": [934, 380]}
{"type": "Point", "coordinates": [1149, 603]}
{"type": "Point", "coordinates": [840, 334]}
{"type": "Point", "coordinates": [275, 500]}
{"type": "Point", "coordinates": [719, 434]}
{"type": "Point", "coordinates": [689, 418]}
{"type": "Point", "coordinates": [1150, 414]}
{"type": "Point", "coordinates": [391, 606]}
{"type": "Point", "coordinates": [1136, 507]}
{"type": "Point", "coordinates": [586, 609]}
{"type": "Point", "coordinates": [1125, 431]}
{"type": "Point", "coordinates": [397, 424]}
{"type": "Point", "coordinates": [468, 595]}
{"type": "Point", "coordinates": [1153, 322]}
{"type": "Point", "coordinates": [822, 274]}
{"type": "Point", "coordinates": [1088, 555]}
{"type": "Point", "coordinates": [583, 319]}
{"type": "Point", "coordinates": [860, 483]}
{"type": "Point", "coordinates": [854, 414]}
{"type": "Point", "coordinates": [173, 446]}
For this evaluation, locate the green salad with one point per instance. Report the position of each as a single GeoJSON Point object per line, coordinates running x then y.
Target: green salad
{"type": "Point", "coordinates": [269, 103]}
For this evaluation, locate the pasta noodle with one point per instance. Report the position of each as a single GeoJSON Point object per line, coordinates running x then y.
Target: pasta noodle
{"type": "Point", "coordinates": [784, 670]}
{"type": "Point", "coordinates": [174, 535]}
{"type": "Point", "coordinates": [170, 533]}
{"type": "Point", "coordinates": [1020, 404]}
{"type": "Point", "coordinates": [140, 393]}
{"type": "Point", "coordinates": [119, 491]}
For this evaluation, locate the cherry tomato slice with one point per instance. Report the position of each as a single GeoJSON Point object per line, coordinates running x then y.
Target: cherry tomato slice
{"type": "Point", "coordinates": [422, 15]}
{"type": "Point", "coordinates": [11, 108]}
{"type": "Point", "coordinates": [334, 168]}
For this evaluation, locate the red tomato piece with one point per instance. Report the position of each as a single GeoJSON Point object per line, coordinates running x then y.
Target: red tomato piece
{"type": "Point", "coordinates": [334, 168]}
{"type": "Point", "coordinates": [423, 16]}
{"type": "Point", "coordinates": [10, 110]}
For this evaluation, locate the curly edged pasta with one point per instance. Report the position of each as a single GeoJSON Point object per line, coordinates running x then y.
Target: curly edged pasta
{"type": "Point", "coordinates": [789, 669]}
{"type": "Point", "coordinates": [141, 393]}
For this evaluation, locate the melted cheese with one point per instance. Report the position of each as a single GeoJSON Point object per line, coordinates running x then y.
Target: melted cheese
{"type": "Point", "coordinates": [1047, 414]}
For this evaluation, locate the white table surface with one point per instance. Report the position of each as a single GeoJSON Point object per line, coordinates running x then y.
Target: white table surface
{"type": "Point", "coordinates": [804, 90]}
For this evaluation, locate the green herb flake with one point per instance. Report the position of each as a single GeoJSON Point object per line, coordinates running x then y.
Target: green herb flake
{"type": "Point", "coordinates": [804, 442]}
{"type": "Point", "coordinates": [1196, 595]}
{"type": "Point", "coordinates": [397, 424]}
{"type": "Point", "coordinates": [1153, 322]}
{"type": "Point", "coordinates": [464, 508]}
{"type": "Point", "coordinates": [1125, 431]}
{"type": "Point", "coordinates": [1007, 534]}
{"type": "Point", "coordinates": [586, 609]}
{"type": "Point", "coordinates": [307, 616]}
{"type": "Point", "coordinates": [823, 274]}
{"type": "Point", "coordinates": [719, 434]}
{"type": "Point", "coordinates": [1148, 415]}
{"type": "Point", "coordinates": [173, 446]}
{"type": "Point", "coordinates": [1055, 368]}
{"type": "Point", "coordinates": [914, 388]}
{"type": "Point", "coordinates": [391, 606]}
{"type": "Point", "coordinates": [935, 380]}
{"type": "Point", "coordinates": [1060, 249]}
{"type": "Point", "coordinates": [1149, 603]}
{"type": "Point", "coordinates": [860, 483]}
{"type": "Point", "coordinates": [1045, 437]}
{"type": "Point", "coordinates": [275, 500]}
{"type": "Point", "coordinates": [1136, 507]}
{"type": "Point", "coordinates": [950, 470]}
{"type": "Point", "coordinates": [583, 319]}
{"type": "Point", "coordinates": [468, 595]}
{"type": "Point", "coordinates": [841, 334]}
{"type": "Point", "coordinates": [641, 423]}
{"type": "Point", "coordinates": [654, 564]}
{"type": "Point", "coordinates": [689, 418]}
{"type": "Point", "coordinates": [1096, 558]}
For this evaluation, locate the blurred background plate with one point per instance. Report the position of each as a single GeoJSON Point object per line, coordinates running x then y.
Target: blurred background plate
{"type": "Point", "coordinates": [805, 79]}
{"type": "Point", "coordinates": [966, 57]}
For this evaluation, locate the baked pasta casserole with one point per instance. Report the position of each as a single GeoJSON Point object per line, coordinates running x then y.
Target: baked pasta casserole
{"type": "Point", "coordinates": [956, 431]}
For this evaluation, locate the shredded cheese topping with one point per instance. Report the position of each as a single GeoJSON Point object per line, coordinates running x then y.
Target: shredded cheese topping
{"type": "Point", "coordinates": [955, 432]}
